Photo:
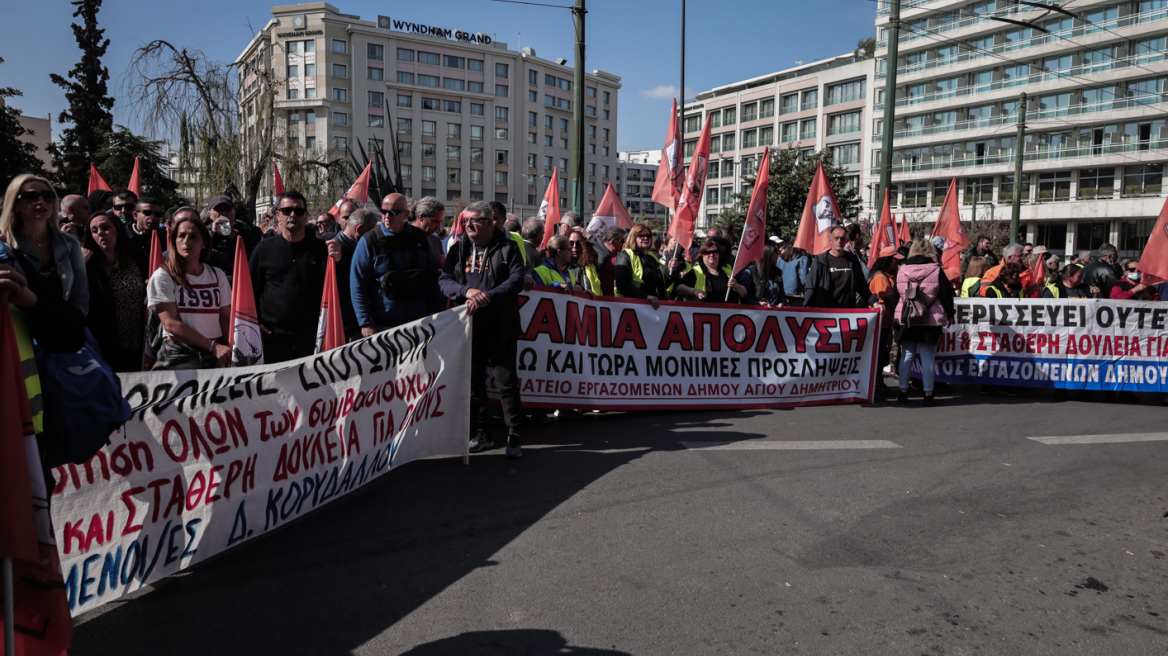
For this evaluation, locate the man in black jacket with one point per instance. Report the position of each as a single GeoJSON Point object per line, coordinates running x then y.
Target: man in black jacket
{"type": "Point", "coordinates": [287, 276]}
{"type": "Point", "coordinates": [836, 279]}
{"type": "Point", "coordinates": [1100, 275]}
{"type": "Point", "coordinates": [484, 271]}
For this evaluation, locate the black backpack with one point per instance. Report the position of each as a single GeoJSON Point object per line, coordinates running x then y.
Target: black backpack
{"type": "Point", "coordinates": [403, 284]}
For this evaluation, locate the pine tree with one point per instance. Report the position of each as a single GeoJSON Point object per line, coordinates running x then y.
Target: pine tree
{"type": "Point", "coordinates": [16, 156]}
{"type": "Point", "coordinates": [90, 104]}
{"type": "Point", "coordinates": [115, 160]}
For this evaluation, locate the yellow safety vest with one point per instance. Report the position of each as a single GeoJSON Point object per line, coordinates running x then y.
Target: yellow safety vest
{"type": "Point", "coordinates": [638, 271]}
{"type": "Point", "coordinates": [593, 277]}
{"type": "Point", "coordinates": [967, 287]}
{"type": "Point", "coordinates": [1054, 290]}
{"type": "Point", "coordinates": [550, 276]}
{"type": "Point", "coordinates": [990, 289]}
{"type": "Point", "coordinates": [32, 379]}
{"type": "Point", "coordinates": [518, 239]}
{"type": "Point", "coordinates": [700, 283]}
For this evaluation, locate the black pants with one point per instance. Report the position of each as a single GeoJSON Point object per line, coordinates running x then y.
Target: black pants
{"type": "Point", "coordinates": [282, 347]}
{"type": "Point", "coordinates": [488, 349]}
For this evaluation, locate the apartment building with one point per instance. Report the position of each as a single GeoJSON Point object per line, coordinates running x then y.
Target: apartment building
{"type": "Point", "coordinates": [811, 107]}
{"type": "Point", "coordinates": [1095, 115]}
{"type": "Point", "coordinates": [472, 119]}
{"type": "Point", "coordinates": [636, 173]}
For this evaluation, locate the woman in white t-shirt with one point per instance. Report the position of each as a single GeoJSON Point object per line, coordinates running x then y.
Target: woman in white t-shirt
{"type": "Point", "coordinates": [192, 299]}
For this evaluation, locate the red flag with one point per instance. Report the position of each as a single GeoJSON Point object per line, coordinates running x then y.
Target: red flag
{"type": "Point", "coordinates": [949, 227]}
{"type": "Point", "coordinates": [148, 354]}
{"type": "Point", "coordinates": [96, 181]}
{"type": "Point", "coordinates": [247, 345]}
{"type": "Point", "coordinates": [610, 212]}
{"type": "Point", "coordinates": [667, 188]}
{"type": "Point", "coordinates": [884, 235]}
{"type": "Point", "coordinates": [549, 209]}
{"type": "Point", "coordinates": [820, 215]}
{"type": "Point", "coordinates": [358, 193]}
{"type": "Point", "coordinates": [750, 247]}
{"type": "Point", "coordinates": [1154, 259]}
{"type": "Point", "coordinates": [135, 180]}
{"type": "Point", "coordinates": [905, 235]}
{"type": "Point", "coordinates": [330, 329]}
{"type": "Point", "coordinates": [1035, 278]}
{"type": "Point", "coordinates": [277, 183]}
{"type": "Point", "coordinates": [42, 625]}
{"type": "Point", "coordinates": [690, 202]}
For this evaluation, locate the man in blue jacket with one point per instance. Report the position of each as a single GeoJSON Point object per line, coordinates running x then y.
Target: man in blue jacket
{"type": "Point", "coordinates": [394, 279]}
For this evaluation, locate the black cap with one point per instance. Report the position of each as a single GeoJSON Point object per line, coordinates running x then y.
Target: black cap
{"type": "Point", "coordinates": [221, 200]}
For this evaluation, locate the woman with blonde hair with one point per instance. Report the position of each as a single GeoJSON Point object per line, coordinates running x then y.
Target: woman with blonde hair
{"type": "Point", "coordinates": [638, 271]}
{"type": "Point", "coordinates": [29, 223]}
{"type": "Point", "coordinates": [925, 306]}
{"type": "Point", "coordinates": [192, 299]}
{"type": "Point", "coordinates": [977, 268]}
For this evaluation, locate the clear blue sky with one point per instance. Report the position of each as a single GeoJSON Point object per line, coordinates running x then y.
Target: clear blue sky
{"type": "Point", "coordinates": [728, 40]}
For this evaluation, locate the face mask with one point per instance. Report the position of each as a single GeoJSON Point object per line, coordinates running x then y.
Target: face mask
{"type": "Point", "coordinates": [1133, 276]}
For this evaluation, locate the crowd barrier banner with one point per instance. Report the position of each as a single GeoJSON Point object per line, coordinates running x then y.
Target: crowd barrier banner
{"type": "Point", "coordinates": [577, 352]}
{"type": "Point", "coordinates": [213, 457]}
{"type": "Point", "coordinates": [1070, 344]}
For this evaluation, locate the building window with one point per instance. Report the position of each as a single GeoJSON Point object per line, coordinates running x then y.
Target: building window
{"type": "Point", "coordinates": [293, 71]}
{"type": "Point", "coordinates": [429, 151]}
{"type": "Point", "coordinates": [476, 133]}
{"type": "Point", "coordinates": [607, 96]}
{"type": "Point", "coordinates": [533, 119]}
{"type": "Point", "coordinates": [531, 137]}
{"type": "Point", "coordinates": [377, 121]}
{"type": "Point", "coordinates": [429, 173]}
{"type": "Point", "coordinates": [501, 70]}
{"type": "Point", "coordinates": [547, 162]}
{"type": "Point", "coordinates": [404, 125]}
{"type": "Point", "coordinates": [712, 196]}
{"type": "Point", "coordinates": [1054, 186]}
{"type": "Point", "coordinates": [407, 172]}
{"type": "Point", "coordinates": [1051, 235]}
{"type": "Point", "coordinates": [532, 96]}
{"type": "Point", "coordinates": [916, 194]}
{"type": "Point", "coordinates": [846, 92]}
{"type": "Point", "coordinates": [604, 171]}
{"type": "Point", "coordinates": [1134, 234]}
{"type": "Point", "coordinates": [688, 148]}
{"type": "Point", "coordinates": [340, 46]}
{"type": "Point", "coordinates": [566, 85]}
{"type": "Point", "coordinates": [476, 109]}
{"type": "Point", "coordinates": [454, 152]}
{"type": "Point", "coordinates": [453, 175]}
{"type": "Point", "coordinates": [728, 142]}
{"type": "Point", "coordinates": [474, 64]}
{"type": "Point", "coordinates": [749, 138]}
{"type": "Point", "coordinates": [501, 90]}
{"type": "Point", "coordinates": [844, 123]}
{"type": "Point", "coordinates": [405, 101]}
{"type": "Point", "coordinates": [500, 178]}
{"type": "Point", "coordinates": [589, 110]}
{"type": "Point", "coordinates": [340, 95]}
{"type": "Point", "coordinates": [310, 93]}
{"type": "Point", "coordinates": [429, 80]}
{"type": "Point", "coordinates": [807, 129]}
{"type": "Point", "coordinates": [405, 78]}
{"type": "Point", "coordinates": [373, 73]}
{"type": "Point", "coordinates": [452, 106]}
{"type": "Point", "coordinates": [549, 80]}
{"type": "Point", "coordinates": [453, 84]}
{"type": "Point", "coordinates": [590, 92]}
{"type": "Point", "coordinates": [450, 61]}
{"type": "Point", "coordinates": [532, 77]}
{"type": "Point", "coordinates": [591, 149]}
{"type": "Point", "coordinates": [374, 52]}
{"type": "Point", "coordinates": [564, 143]}
{"type": "Point", "coordinates": [340, 118]}
{"type": "Point", "coordinates": [405, 55]}
{"type": "Point", "coordinates": [501, 114]}
{"type": "Point", "coordinates": [766, 136]}
{"type": "Point", "coordinates": [749, 112]}
{"type": "Point", "coordinates": [790, 132]}
{"type": "Point", "coordinates": [766, 109]}
{"type": "Point", "coordinates": [606, 132]}
{"type": "Point", "coordinates": [501, 133]}
{"type": "Point", "coordinates": [340, 70]}
{"type": "Point", "coordinates": [376, 99]}
{"type": "Point", "coordinates": [789, 103]}
{"type": "Point", "coordinates": [310, 142]}
{"type": "Point", "coordinates": [476, 177]}
{"type": "Point", "coordinates": [591, 131]}
{"type": "Point", "coordinates": [476, 155]}
{"type": "Point", "coordinates": [428, 58]}
{"type": "Point", "coordinates": [549, 100]}
{"type": "Point", "coordinates": [1096, 183]}
{"type": "Point", "coordinates": [431, 103]}
{"type": "Point", "coordinates": [429, 128]}
{"type": "Point", "coordinates": [453, 130]}
{"type": "Point", "coordinates": [1006, 189]}
{"type": "Point", "coordinates": [405, 149]}
{"type": "Point", "coordinates": [1091, 235]}
{"type": "Point", "coordinates": [501, 157]}
{"type": "Point", "coordinates": [981, 189]}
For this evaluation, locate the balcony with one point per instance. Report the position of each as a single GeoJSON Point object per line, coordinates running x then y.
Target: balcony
{"type": "Point", "coordinates": [964, 161]}
{"type": "Point", "coordinates": [809, 105]}
{"type": "Point", "coordinates": [842, 129]}
{"type": "Point", "coordinates": [807, 135]}
{"type": "Point", "coordinates": [914, 34]}
{"type": "Point", "coordinates": [839, 100]}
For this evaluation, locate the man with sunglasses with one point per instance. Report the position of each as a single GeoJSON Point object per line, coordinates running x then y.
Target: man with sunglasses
{"type": "Point", "coordinates": [484, 272]}
{"type": "Point", "coordinates": [124, 203]}
{"type": "Point", "coordinates": [394, 279]}
{"type": "Point", "coordinates": [147, 216]}
{"type": "Point", "coordinates": [287, 277]}
{"type": "Point", "coordinates": [1129, 287]}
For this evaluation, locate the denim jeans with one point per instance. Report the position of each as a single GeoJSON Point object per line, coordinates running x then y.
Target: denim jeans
{"type": "Point", "coordinates": [926, 353]}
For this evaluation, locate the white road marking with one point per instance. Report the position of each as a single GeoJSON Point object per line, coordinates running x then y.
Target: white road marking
{"type": "Point", "coordinates": [807, 445]}
{"type": "Point", "coordinates": [1102, 439]}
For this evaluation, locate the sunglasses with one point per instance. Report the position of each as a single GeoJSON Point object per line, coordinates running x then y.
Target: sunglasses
{"type": "Point", "coordinates": [150, 213]}
{"type": "Point", "coordinates": [392, 212]}
{"type": "Point", "coordinates": [34, 196]}
{"type": "Point", "coordinates": [123, 207]}
{"type": "Point", "coordinates": [576, 244]}
{"type": "Point", "coordinates": [289, 211]}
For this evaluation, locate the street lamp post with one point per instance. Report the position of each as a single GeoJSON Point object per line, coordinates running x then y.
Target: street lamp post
{"type": "Point", "coordinates": [578, 13]}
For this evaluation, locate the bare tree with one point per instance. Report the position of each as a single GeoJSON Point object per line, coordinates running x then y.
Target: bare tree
{"type": "Point", "coordinates": [223, 115]}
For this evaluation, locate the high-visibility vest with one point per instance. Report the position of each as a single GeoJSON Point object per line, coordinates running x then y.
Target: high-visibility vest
{"type": "Point", "coordinates": [518, 239]}
{"type": "Point", "coordinates": [700, 282]}
{"type": "Point", "coordinates": [32, 379]}
{"type": "Point", "coordinates": [593, 277]}
{"type": "Point", "coordinates": [550, 276]}
{"type": "Point", "coordinates": [990, 291]}
{"type": "Point", "coordinates": [968, 287]}
{"type": "Point", "coordinates": [638, 271]}
{"type": "Point", "coordinates": [1054, 290]}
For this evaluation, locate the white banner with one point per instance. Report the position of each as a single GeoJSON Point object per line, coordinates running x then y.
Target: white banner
{"type": "Point", "coordinates": [213, 457]}
{"type": "Point", "coordinates": [1071, 344]}
{"type": "Point", "coordinates": [621, 354]}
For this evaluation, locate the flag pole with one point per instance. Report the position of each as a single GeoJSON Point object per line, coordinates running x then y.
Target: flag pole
{"type": "Point", "coordinates": [741, 238]}
{"type": "Point", "coordinates": [9, 610]}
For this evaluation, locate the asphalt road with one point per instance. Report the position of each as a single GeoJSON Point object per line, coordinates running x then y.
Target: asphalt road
{"type": "Point", "coordinates": [612, 537]}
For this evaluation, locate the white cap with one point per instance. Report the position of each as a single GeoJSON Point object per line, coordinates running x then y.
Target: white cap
{"type": "Point", "coordinates": [776, 239]}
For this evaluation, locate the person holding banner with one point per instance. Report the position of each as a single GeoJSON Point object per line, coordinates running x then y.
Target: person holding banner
{"type": "Point", "coordinates": [707, 281]}
{"type": "Point", "coordinates": [637, 270]}
{"type": "Point", "coordinates": [557, 269]}
{"type": "Point", "coordinates": [924, 307]}
{"type": "Point", "coordinates": [1066, 283]}
{"type": "Point", "coordinates": [192, 299]}
{"type": "Point", "coordinates": [836, 279]}
{"type": "Point", "coordinates": [584, 261]}
{"type": "Point", "coordinates": [484, 271]}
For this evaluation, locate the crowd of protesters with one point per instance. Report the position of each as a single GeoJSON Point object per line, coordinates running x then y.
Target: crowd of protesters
{"type": "Point", "coordinates": [91, 255]}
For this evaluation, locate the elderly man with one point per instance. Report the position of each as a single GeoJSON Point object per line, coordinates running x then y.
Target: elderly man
{"type": "Point", "coordinates": [75, 210]}
{"type": "Point", "coordinates": [1010, 253]}
{"type": "Point", "coordinates": [341, 249]}
{"type": "Point", "coordinates": [287, 276]}
{"type": "Point", "coordinates": [836, 279]}
{"type": "Point", "coordinates": [532, 238]}
{"type": "Point", "coordinates": [428, 216]}
{"type": "Point", "coordinates": [484, 271]}
{"type": "Point", "coordinates": [1101, 274]}
{"type": "Point", "coordinates": [394, 279]}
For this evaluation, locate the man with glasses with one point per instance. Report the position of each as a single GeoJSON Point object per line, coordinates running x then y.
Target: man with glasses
{"type": "Point", "coordinates": [147, 216]}
{"type": "Point", "coordinates": [287, 277]}
{"type": "Point", "coordinates": [1129, 287]}
{"type": "Point", "coordinates": [124, 203]}
{"type": "Point", "coordinates": [394, 279]}
{"type": "Point", "coordinates": [428, 216]}
{"type": "Point", "coordinates": [484, 272]}
{"type": "Point", "coordinates": [326, 225]}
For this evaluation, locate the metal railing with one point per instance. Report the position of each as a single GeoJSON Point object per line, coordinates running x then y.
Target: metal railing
{"type": "Point", "coordinates": [913, 34]}
{"type": "Point", "coordinates": [789, 109]}
{"type": "Point", "coordinates": [807, 135]}
{"type": "Point", "coordinates": [851, 97]}
{"type": "Point", "coordinates": [963, 160]}
{"type": "Point", "coordinates": [843, 129]}
{"type": "Point", "coordinates": [809, 105]}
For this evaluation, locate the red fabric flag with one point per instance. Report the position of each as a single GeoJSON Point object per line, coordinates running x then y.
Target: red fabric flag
{"type": "Point", "coordinates": [1154, 259]}
{"type": "Point", "coordinates": [148, 354]}
{"type": "Point", "coordinates": [610, 212]}
{"type": "Point", "coordinates": [247, 344]}
{"type": "Point", "coordinates": [750, 247]}
{"type": "Point", "coordinates": [330, 329]}
{"type": "Point", "coordinates": [820, 215]}
{"type": "Point", "coordinates": [905, 235]}
{"type": "Point", "coordinates": [135, 180]}
{"type": "Point", "coordinates": [277, 183]}
{"type": "Point", "coordinates": [358, 193]}
{"type": "Point", "coordinates": [42, 625]}
{"type": "Point", "coordinates": [96, 181]}
{"type": "Point", "coordinates": [667, 188]}
{"type": "Point", "coordinates": [690, 202]}
{"type": "Point", "coordinates": [949, 227]}
{"type": "Point", "coordinates": [884, 235]}
{"type": "Point", "coordinates": [1035, 278]}
{"type": "Point", "coordinates": [549, 209]}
